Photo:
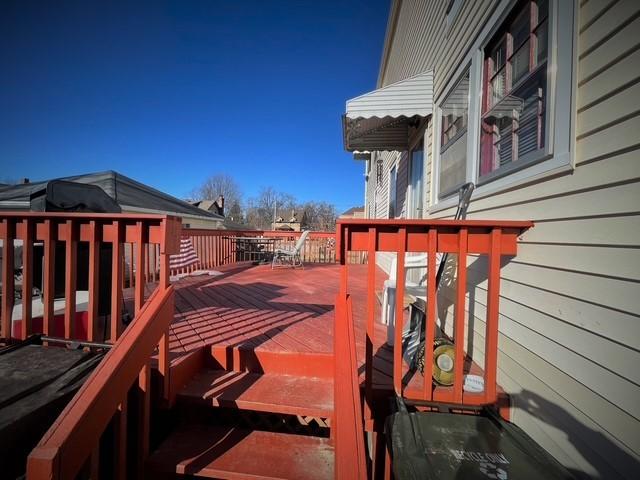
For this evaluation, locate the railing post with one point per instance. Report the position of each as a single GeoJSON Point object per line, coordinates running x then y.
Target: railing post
{"type": "Point", "coordinates": [459, 315]}
{"type": "Point", "coordinates": [491, 333]}
{"type": "Point", "coordinates": [399, 315]}
{"type": "Point", "coordinates": [71, 261]}
{"type": "Point", "coordinates": [8, 283]}
{"type": "Point", "coordinates": [371, 308]}
{"type": "Point", "coordinates": [430, 324]}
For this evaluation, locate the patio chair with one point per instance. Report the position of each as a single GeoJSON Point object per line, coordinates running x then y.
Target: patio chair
{"type": "Point", "coordinates": [417, 289]}
{"type": "Point", "coordinates": [414, 288]}
{"type": "Point", "coordinates": [290, 256]}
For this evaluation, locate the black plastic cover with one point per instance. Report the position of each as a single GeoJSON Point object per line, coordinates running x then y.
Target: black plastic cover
{"type": "Point", "coordinates": [63, 196]}
{"type": "Point", "coordinates": [448, 446]}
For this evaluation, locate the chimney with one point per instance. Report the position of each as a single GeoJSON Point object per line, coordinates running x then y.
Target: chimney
{"type": "Point", "coordinates": [220, 205]}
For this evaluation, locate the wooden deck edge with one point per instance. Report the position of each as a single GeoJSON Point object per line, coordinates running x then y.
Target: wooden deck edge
{"type": "Point", "coordinates": [240, 359]}
{"type": "Point", "coordinates": [182, 368]}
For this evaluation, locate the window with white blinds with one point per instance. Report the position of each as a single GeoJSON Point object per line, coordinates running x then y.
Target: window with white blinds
{"type": "Point", "coordinates": [515, 90]}
{"type": "Point", "coordinates": [454, 115]}
{"type": "Point", "coordinates": [506, 114]}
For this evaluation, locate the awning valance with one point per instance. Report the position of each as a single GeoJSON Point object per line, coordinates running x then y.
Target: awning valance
{"type": "Point", "coordinates": [380, 120]}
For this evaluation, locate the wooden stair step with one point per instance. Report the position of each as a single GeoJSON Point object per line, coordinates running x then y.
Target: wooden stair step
{"type": "Point", "coordinates": [231, 453]}
{"type": "Point", "coordinates": [286, 394]}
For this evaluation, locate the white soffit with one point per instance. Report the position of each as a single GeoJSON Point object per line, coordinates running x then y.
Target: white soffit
{"type": "Point", "coordinates": [380, 120]}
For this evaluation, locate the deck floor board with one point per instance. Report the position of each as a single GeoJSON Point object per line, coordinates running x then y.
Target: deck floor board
{"type": "Point", "coordinates": [276, 311]}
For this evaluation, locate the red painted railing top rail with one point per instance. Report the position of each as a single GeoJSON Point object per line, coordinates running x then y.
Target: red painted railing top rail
{"type": "Point", "coordinates": [494, 239]}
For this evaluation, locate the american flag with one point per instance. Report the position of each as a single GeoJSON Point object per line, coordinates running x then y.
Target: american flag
{"type": "Point", "coordinates": [186, 257]}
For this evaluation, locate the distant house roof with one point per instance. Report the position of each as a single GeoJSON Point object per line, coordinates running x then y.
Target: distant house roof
{"type": "Point", "coordinates": [130, 194]}
{"type": "Point", "coordinates": [353, 211]}
{"type": "Point", "coordinates": [204, 204]}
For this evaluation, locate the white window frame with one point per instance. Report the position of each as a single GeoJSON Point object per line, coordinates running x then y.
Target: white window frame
{"type": "Point", "coordinates": [437, 126]}
{"type": "Point", "coordinates": [392, 165]}
{"type": "Point", "coordinates": [561, 97]}
{"type": "Point", "coordinates": [421, 137]}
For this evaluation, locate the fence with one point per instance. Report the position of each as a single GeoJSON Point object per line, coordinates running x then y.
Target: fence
{"type": "Point", "coordinates": [216, 248]}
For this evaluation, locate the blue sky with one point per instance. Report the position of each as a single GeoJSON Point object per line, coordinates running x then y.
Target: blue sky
{"type": "Point", "coordinates": [170, 92]}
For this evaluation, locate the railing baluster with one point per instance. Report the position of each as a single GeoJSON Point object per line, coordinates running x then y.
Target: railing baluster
{"type": "Point", "coordinates": [48, 276]}
{"type": "Point", "coordinates": [94, 463]}
{"type": "Point", "coordinates": [211, 251]}
{"type": "Point", "coordinates": [491, 329]}
{"type": "Point", "coordinates": [8, 283]}
{"type": "Point", "coordinates": [116, 282]}
{"type": "Point", "coordinates": [371, 310]}
{"type": "Point", "coordinates": [430, 324]}
{"type": "Point", "coordinates": [459, 316]}
{"type": "Point", "coordinates": [139, 267]}
{"type": "Point", "coordinates": [27, 276]}
{"type": "Point", "coordinates": [399, 316]}
{"type": "Point", "coordinates": [132, 259]}
{"type": "Point", "coordinates": [71, 262]}
{"type": "Point", "coordinates": [144, 391]}
{"type": "Point", "coordinates": [120, 438]}
{"type": "Point", "coordinates": [94, 280]}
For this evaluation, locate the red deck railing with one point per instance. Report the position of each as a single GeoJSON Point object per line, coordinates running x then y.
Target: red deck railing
{"type": "Point", "coordinates": [218, 247]}
{"type": "Point", "coordinates": [494, 239]}
{"type": "Point", "coordinates": [75, 436]}
{"type": "Point", "coordinates": [142, 233]}
{"type": "Point", "coordinates": [73, 441]}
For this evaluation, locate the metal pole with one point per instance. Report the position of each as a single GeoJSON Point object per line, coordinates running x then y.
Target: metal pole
{"type": "Point", "coordinates": [275, 209]}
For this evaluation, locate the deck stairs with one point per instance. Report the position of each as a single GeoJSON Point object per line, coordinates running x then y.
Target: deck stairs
{"type": "Point", "coordinates": [246, 413]}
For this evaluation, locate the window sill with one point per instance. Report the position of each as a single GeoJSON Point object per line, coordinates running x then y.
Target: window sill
{"type": "Point", "coordinates": [558, 165]}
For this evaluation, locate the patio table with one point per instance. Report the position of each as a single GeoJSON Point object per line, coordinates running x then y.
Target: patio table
{"type": "Point", "coordinates": [259, 250]}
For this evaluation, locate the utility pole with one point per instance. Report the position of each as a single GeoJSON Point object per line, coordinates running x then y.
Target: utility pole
{"type": "Point", "coordinates": [275, 209]}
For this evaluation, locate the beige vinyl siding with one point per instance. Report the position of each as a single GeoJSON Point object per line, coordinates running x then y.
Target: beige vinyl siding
{"type": "Point", "coordinates": [380, 197]}
{"type": "Point", "coordinates": [570, 301]}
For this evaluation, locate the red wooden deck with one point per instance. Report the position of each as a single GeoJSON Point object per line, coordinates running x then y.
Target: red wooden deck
{"type": "Point", "coordinates": [283, 319]}
{"type": "Point", "coordinates": [255, 307]}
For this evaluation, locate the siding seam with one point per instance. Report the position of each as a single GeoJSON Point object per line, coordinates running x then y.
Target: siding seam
{"type": "Point", "coordinates": [609, 65]}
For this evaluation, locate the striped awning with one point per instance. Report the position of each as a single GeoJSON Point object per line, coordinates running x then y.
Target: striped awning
{"type": "Point", "coordinates": [380, 120]}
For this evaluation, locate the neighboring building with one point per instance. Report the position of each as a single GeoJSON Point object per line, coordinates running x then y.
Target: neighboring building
{"type": "Point", "coordinates": [130, 195]}
{"type": "Point", "coordinates": [213, 206]}
{"type": "Point", "coordinates": [538, 104]}
{"type": "Point", "coordinates": [291, 225]}
{"type": "Point", "coordinates": [353, 212]}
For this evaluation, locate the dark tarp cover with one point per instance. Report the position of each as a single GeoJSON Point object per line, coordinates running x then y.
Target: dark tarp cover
{"type": "Point", "coordinates": [125, 191]}
{"type": "Point", "coordinates": [453, 446]}
{"type": "Point", "coordinates": [63, 196]}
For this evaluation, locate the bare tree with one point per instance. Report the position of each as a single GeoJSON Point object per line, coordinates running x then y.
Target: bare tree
{"type": "Point", "coordinates": [269, 202]}
{"type": "Point", "coordinates": [319, 216]}
{"type": "Point", "coordinates": [235, 213]}
{"type": "Point", "coordinates": [219, 184]}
